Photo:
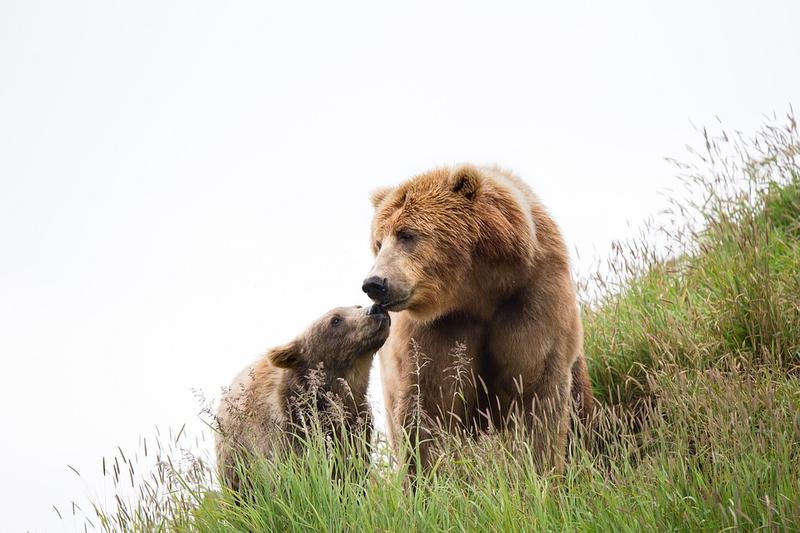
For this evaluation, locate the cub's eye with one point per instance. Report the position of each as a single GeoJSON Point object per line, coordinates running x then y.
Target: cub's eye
{"type": "Point", "coordinates": [377, 245]}
{"type": "Point", "coordinates": [405, 236]}
{"type": "Point", "coordinates": [336, 321]}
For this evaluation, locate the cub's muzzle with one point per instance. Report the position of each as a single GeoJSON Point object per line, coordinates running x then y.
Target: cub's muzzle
{"type": "Point", "coordinates": [376, 311]}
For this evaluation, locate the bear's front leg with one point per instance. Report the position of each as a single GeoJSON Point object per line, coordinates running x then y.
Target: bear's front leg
{"type": "Point", "coordinates": [547, 421]}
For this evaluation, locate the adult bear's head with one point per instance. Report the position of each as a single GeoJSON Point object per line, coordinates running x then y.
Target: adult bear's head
{"type": "Point", "coordinates": [440, 233]}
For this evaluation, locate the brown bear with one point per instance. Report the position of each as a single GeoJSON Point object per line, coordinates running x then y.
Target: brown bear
{"type": "Point", "coordinates": [324, 371]}
{"type": "Point", "coordinates": [469, 257]}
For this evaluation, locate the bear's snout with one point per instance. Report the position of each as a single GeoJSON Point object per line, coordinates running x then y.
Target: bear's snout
{"type": "Point", "coordinates": [376, 288]}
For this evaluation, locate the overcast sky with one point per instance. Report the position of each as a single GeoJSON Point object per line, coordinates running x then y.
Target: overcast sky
{"type": "Point", "coordinates": [185, 184]}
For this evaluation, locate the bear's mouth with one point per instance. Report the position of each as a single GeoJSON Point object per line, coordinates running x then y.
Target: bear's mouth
{"type": "Point", "coordinates": [396, 305]}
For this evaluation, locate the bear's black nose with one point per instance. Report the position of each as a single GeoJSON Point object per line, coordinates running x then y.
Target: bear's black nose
{"type": "Point", "coordinates": [376, 288]}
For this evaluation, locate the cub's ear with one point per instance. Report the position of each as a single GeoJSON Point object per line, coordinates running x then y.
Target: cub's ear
{"type": "Point", "coordinates": [465, 180]}
{"type": "Point", "coordinates": [378, 195]}
{"type": "Point", "coordinates": [285, 356]}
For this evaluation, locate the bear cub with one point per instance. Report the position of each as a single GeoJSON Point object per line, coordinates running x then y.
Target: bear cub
{"type": "Point", "coordinates": [324, 373]}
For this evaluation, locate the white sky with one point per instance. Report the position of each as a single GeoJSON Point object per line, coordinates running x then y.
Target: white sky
{"type": "Point", "coordinates": [184, 184]}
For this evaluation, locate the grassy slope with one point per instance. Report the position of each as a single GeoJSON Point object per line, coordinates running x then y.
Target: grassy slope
{"type": "Point", "coordinates": [696, 360]}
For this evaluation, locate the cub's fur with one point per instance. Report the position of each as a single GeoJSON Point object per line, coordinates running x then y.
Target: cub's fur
{"type": "Point", "coordinates": [324, 372]}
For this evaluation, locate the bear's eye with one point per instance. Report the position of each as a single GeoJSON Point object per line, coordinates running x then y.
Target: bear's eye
{"type": "Point", "coordinates": [405, 236]}
{"type": "Point", "coordinates": [377, 245]}
{"type": "Point", "coordinates": [336, 321]}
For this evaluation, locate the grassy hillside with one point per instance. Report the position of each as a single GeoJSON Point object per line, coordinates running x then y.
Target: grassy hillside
{"type": "Point", "coordinates": [693, 338]}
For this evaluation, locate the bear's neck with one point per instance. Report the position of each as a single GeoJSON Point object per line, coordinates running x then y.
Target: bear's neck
{"type": "Point", "coordinates": [485, 288]}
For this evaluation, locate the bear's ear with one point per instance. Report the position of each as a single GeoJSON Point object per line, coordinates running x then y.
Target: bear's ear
{"type": "Point", "coordinates": [378, 195]}
{"type": "Point", "coordinates": [465, 180]}
{"type": "Point", "coordinates": [286, 355]}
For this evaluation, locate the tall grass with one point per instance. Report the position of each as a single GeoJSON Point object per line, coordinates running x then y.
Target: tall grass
{"type": "Point", "coordinates": [722, 292]}
{"type": "Point", "coordinates": [693, 340]}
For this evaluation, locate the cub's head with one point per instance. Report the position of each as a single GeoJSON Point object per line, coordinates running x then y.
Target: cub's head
{"type": "Point", "coordinates": [428, 232]}
{"type": "Point", "coordinates": [342, 339]}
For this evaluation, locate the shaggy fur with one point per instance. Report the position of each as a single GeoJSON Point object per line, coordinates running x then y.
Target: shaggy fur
{"type": "Point", "coordinates": [324, 372]}
{"type": "Point", "coordinates": [470, 255]}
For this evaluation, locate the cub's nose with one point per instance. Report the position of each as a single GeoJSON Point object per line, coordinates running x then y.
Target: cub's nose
{"type": "Point", "coordinates": [377, 311]}
{"type": "Point", "coordinates": [375, 287]}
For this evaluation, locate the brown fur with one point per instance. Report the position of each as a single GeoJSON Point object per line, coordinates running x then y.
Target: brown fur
{"type": "Point", "coordinates": [471, 255]}
{"type": "Point", "coordinates": [325, 371]}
